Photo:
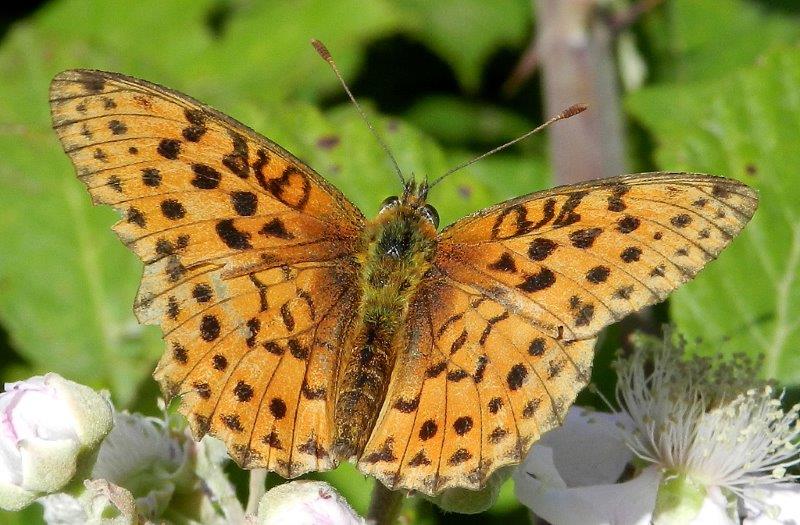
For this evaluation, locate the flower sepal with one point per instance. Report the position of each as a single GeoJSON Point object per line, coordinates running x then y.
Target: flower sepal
{"type": "Point", "coordinates": [465, 501]}
{"type": "Point", "coordinates": [679, 499]}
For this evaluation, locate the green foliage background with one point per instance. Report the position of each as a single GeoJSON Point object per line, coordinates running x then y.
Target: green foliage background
{"type": "Point", "coordinates": [722, 96]}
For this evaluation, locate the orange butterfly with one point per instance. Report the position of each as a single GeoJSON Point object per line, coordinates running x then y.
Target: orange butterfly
{"type": "Point", "coordinates": [302, 334]}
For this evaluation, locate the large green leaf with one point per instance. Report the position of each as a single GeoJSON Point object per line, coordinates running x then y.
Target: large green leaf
{"type": "Point", "coordinates": [67, 284]}
{"type": "Point", "coordinates": [697, 40]}
{"type": "Point", "coordinates": [265, 52]}
{"type": "Point", "coordinates": [746, 126]}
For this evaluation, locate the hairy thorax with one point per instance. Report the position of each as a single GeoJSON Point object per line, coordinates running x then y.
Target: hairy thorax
{"type": "Point", "coordinates": [397, 249]}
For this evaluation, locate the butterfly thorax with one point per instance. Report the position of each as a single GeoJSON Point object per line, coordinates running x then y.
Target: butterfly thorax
{"type": "Point", "coordinates": [397, 249]}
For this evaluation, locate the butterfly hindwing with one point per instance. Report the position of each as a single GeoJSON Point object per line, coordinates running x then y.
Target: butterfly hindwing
{"type": "Point", "coordinates": [476, 387]}
{"type": "Point", "coordinates": [260, 375]}
{"type": "Point", "coordinates": [247, 256]}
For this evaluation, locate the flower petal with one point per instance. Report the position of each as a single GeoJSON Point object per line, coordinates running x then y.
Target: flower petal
{"type": "Point", "coordinates": [772, 506]}
{"type": "Point", "coordinates": [589, 449]}
{"type": "Point", "coordinates": [714, 510]}
{"type": "Point", "coordinates": [48, 465]}
{"type": "Point", "coordinates": [13, 497]}
{"type": "Point", "coordinates": [631, 502]}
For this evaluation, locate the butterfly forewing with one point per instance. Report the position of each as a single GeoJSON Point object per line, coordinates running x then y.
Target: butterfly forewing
{"type": "Point", "coordinates": [574, 259]}
{"type": "Point", "coordinates": [247, 255]}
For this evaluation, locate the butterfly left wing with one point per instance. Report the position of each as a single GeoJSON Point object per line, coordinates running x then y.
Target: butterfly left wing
{"type": "Point", "coordinates": [248, 258]}
{"type": "Point", "coordinates": [501, 335]}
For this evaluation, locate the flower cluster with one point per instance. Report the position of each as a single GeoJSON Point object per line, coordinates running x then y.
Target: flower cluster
{"type": "Point", "coordinates": [63, 444]}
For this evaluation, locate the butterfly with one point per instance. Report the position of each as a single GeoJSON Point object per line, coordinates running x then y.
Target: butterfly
{"type": "Point", "coordinates": [302, 334]}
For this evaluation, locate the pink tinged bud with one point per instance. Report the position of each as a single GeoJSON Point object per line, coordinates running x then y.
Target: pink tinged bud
{"type": "Point", "coordinates": [305, 503]}
{"type": "Point", "coordinates": [48, 427]}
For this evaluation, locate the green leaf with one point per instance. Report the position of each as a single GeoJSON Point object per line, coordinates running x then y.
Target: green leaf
{"type": "Point", "coordinates": [67, 282]}
{"type": "Point", "coordinates": [454, 120]}
{"type": "Point", "coordinates": [265, 52]}
{"type": "Point", "coordinates": [491, 180]}
{"type": "Point", "coordinates": [694, 40]}
{"type": "Point", "coordinates": [467, 32]}
{"type": "Point", "coordinates": [746, 126]}
{"type": "Point", "coordinates": [28, 515]}
{"type": "Point", "coordinates": [352, 484]}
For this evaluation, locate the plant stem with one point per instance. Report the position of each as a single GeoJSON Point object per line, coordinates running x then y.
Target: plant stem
{"type": "Point", "coordinates": [385, 505]}
{"type": "Point", "coordinates": [257, 487]}
{"type": "Point", "coordinates": [576, 51]}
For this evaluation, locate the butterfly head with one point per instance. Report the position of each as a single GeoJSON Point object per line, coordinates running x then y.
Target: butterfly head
{"type": "Point", "coordinates": [412, 203]}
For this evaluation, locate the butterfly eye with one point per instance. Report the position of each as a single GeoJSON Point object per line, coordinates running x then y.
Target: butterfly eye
{"type": "Point", "coordinates": [389, 202]}
{"type": "Point", "coordinates": [430, 213]}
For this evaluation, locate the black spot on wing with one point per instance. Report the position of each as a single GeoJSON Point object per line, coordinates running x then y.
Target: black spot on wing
{"type": "Point", "coordinates": [232, 237]}
{"type": "Point", "coordinates": [205, 177]}
{"type": "Point", "coordinates": [169, 148]}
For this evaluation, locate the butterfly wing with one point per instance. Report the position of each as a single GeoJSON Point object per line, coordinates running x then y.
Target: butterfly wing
{"type": "Point", "coordinates": [248, 258]}
{"type": "Point", "coordinates": [501, 335]}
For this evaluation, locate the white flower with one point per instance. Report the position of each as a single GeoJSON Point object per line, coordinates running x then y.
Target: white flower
{"type": "Point", "coordinates": [143, 455]}
{"type": "Point", "coordinates": [305, 503]}
{"type": "Point", "coordinates": [49, 429]}
{"type": "Point", "coordinates": [706, 419]}
{"type": "Point", "coordinates": [777, 506]}
{"type": "Point", "coordinates": [711, 445]}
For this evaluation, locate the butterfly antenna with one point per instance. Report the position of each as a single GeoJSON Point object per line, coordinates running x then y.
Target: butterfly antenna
{"type": "Point", "coordinates": [326, 55]}
{"type": "Point", "coordinates": [567, 113]}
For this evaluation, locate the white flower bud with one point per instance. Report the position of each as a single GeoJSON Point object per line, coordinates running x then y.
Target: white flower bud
{"type": "Point", "coordinates": [49, 428]}
{"type": "Point", "coordinates": [143, 455]}
{"type": "Point", "coordinates": [305, 503]}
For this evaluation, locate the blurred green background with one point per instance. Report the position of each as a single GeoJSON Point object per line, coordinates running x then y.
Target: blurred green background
{"type": "Point", "coordinates": [710, 86]}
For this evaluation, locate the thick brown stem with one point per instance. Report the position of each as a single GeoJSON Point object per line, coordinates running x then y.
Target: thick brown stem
{"type": "Point", "coordinates": [576, 53]}
{"type": "Point", "coordinates": [385, 505]}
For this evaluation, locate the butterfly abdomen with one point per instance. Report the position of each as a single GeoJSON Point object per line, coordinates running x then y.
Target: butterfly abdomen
{"type": "Point", "coordinates": [397, 254]}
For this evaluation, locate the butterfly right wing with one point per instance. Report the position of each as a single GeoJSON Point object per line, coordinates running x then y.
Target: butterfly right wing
{"type": "Point", "coordinates": [248, 253]}
{"type": "Point", "coordinates": [500, 335]}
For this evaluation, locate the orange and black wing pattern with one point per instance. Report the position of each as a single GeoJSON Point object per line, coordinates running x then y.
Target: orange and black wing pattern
{"type": "Point", "coordinates": [500, 338]}
{"type": "Point", "coordinates": [248, 258]}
